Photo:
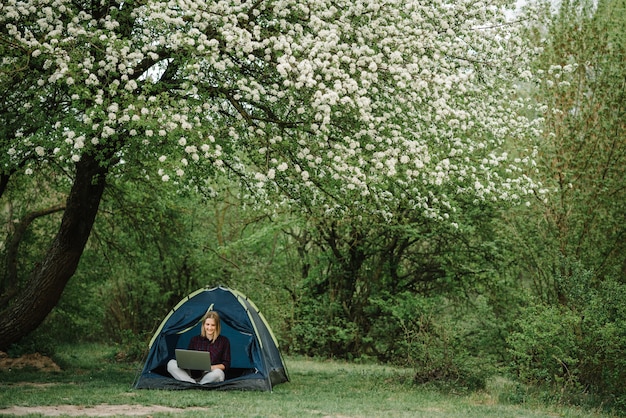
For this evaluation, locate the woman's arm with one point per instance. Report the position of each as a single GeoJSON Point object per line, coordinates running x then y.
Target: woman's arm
{"type": "Point", "coordinates": [222, 357]}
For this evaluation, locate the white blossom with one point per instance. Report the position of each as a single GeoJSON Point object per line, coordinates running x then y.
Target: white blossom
{"type": "Point", "coordinates": [309, 90]}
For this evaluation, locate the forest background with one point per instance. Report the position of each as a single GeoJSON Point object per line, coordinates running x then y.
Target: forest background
{"type": "Point", "coordinates": [532, 289]}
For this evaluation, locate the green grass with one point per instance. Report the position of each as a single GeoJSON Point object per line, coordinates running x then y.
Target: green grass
{"type": "Point", "coordinates": [92, 377]}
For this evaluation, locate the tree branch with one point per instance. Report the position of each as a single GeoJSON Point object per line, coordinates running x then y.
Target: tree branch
{"type": "Point", "coordinates": [13, 245]}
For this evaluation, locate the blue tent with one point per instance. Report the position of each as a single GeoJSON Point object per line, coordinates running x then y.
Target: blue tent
{"type": "Point", "coordinates": [256, 362]}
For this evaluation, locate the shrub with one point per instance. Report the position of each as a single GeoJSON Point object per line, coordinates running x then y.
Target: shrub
{"type": "Point", "coordinates": [577, 348]}
{"type": "Point", "coordinates": [603, 361]}
{"type": "Point", "coordinates": [421, 332]}
{"type": "Point", "coordinates": [545, 348]}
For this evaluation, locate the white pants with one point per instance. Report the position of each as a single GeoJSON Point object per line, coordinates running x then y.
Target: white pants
{"type": "Point", "coordinates": [216, 375]}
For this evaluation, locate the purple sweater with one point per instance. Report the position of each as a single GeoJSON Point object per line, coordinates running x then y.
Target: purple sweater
{"type": "Point", "coordinates": [220, 349]}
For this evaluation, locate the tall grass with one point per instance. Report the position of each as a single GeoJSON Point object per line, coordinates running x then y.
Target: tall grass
{"type": "Point", "coordinates": [91, 376]}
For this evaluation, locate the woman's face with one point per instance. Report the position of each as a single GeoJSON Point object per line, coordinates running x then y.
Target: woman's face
{"type": "Point", "coordinates": [209, 328]}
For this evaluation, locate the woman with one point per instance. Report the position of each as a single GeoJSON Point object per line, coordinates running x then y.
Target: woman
{"type": "Point", "coordinates": [210, 340]}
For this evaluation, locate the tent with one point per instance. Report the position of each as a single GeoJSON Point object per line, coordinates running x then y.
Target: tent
{"type": "Point", "coordinates": [256, 362]}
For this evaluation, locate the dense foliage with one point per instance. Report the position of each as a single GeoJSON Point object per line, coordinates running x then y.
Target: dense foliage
{"type": "Point", "coordinates": [571, 242]}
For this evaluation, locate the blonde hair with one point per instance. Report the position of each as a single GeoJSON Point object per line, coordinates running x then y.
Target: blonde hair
{"type": "Point", "coordinates": [218, 326]}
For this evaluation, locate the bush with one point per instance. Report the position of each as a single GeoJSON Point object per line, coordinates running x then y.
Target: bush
{"type": "Point", "coordinates": [603, 362]}
{"type": "Point", "coordinates": [578, 349]}
{"type": "Point", "coordinates": [545, 347]}
{"type": "Point", "coordinates": [418, 332]}
{"type": "Point", "coordinates": [320, 330]}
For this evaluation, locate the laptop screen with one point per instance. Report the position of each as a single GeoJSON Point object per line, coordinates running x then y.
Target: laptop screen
{"type": "Point", "coordinates": [193, 359]}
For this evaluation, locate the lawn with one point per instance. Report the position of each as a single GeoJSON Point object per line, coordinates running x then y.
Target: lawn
{"type": "Point", "coordinates": [93, 383]}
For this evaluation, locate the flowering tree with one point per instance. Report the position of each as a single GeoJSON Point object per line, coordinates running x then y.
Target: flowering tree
{"type": "Point", "coordinates": [337, 105]}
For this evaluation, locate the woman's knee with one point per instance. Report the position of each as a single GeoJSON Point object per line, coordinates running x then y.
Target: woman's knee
{"type": "Point", "coordinates": [213, 376]}
{"type": "Point", "coordinates": [172, 365]}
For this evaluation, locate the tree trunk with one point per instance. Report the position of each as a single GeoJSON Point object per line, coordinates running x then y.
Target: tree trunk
{"type": "Point", "coordinates": [30, 306]}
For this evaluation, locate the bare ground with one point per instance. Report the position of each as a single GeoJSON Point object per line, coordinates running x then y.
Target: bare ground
{"type": "Point", "coordinates": [103, 410]}
{"type": "Point", "coordinates": [46, 364]}
{"type": "Point", "coordinates": [36, 360]}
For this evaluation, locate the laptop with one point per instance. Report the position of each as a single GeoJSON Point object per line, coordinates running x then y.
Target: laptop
{"type": "Point", "coordinates": [193, 359]}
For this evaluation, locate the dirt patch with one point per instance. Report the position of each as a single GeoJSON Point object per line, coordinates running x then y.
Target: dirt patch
{"type": "Point", "coordinates": [36, 361]}
{"type": "Point", "coordinates": [44, 363]}
{"type": "Point", "coordinates": [103, 410]}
